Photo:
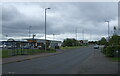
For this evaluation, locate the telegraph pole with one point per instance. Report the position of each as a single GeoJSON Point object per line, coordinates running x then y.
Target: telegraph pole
{"type": "Point", "coordinates": [108, 28]}
{"type": "Point", "coordinates": [76, 35]}
{"type": "Point", "coordinates": [6, 37]}
{"type": "Point", "coordinates": [76, 32]}
{"type": "Point", "coordinates": [29, 31]}
{"type": "Point", "coordinates": [83, 33]}
{"type": "Point", "coordinates": [53, 36]}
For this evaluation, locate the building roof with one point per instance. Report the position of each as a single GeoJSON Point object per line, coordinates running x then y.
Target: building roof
{"type": "Point", "coordinates": [42, 40]}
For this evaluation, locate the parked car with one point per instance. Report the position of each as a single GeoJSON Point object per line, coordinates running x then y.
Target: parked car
{"type": "Point", "coordinates": [39, 46]}
{"type": "Point", "coordinates": [26, 47]}
{"type": "Point", "coordinates": [9, 46]}
{"type": "Point", "coordinates": [96, 47]}
{"type": "Point", "coordinates": [2, 46]}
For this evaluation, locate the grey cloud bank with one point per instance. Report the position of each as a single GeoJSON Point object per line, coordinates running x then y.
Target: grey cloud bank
{"type": "Point", "coordinates": [62, 18]}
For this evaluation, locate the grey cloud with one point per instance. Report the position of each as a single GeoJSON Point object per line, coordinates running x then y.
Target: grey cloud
{"type": "Point", "coordinates": [67, 16]}
{"type": "Point", "coordinates": [9, 13]}
{"type": "Point", "coordinates": [14, 22]}
{"type": "Point", "coordinates": [95, 13]}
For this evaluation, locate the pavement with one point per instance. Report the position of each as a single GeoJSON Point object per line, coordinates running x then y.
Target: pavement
{"type": "Point", "coordinates": [28, 57]}
{"type": "Point", "coordinates": [76, 61]}
{"type": "Point", "coordinates": [98, 63]}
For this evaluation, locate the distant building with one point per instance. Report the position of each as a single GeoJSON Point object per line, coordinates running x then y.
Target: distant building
{"type": "Point", "coordinates": [30, 43]}
{"type": "Point", "coordinates": [55, 44]}
{"type": "Point", "coordinates": [11, 43]}
{"type": "Point", "coordinates": [40, 43]}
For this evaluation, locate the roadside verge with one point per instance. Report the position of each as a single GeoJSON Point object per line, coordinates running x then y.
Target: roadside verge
{"type": "Point", "coordinates": [27, 57]}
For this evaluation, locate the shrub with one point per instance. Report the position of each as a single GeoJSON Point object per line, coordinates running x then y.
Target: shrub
{"type": "Point", "coordinates": [110, 52]}
{"type": "Point", "coordinates": [112, 47]}
{"type": "Point", "coordinates": [117, 48]}
{"type": "Point", "coordinates": [104, 50]}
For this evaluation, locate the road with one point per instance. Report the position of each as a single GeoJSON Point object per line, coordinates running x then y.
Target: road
{"type": "Point", "coordinates": [65, 63]}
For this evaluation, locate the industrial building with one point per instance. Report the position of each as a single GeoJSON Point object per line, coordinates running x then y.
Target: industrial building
{"type": "Point", "coordinates": [31, 43]}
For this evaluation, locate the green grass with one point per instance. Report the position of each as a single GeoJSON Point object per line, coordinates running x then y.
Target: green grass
{"type": "Point", "coordinates": [10, 53]}
{"type": "Point", "coordinates": [5, 53]}
{"type": "Point", "coordinates": [115, 59]}
{"type": "Point", "coordinates": [73, 47]}
{"type": "Point", "coordinates": [0, 53]}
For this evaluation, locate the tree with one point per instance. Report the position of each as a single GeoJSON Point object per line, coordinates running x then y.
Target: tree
{"type": "Point", "coordinates": [103, 41]}
{"type": "Point", "coordinates": [70, 42]}
{"type": "Point", "coordinates": [114, 40]}
{"type": "Point", "coordinates": [112, 46]}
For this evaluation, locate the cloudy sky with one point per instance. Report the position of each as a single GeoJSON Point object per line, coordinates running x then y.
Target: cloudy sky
{"type": "Point", "coordinates": [63, 19]}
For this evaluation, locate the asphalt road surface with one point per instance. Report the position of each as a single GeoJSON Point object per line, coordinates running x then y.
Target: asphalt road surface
{"type": "Point", "coordinates": [68, 62]}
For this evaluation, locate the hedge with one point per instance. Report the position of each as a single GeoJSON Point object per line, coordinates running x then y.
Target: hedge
{"type": "Point", "coordinates": [110, 51]}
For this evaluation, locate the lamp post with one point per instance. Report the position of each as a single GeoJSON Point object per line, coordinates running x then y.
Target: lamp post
{"type": "Point", "coordinates": [76, 32]}
{"type": "Point", "coordinates": [53, 36]}
{"type": "Point", "coordinates": [29, 30]}
{"type": "Point", "coordinates": [83, 33]}
{"type": "Point", "coordinates": [108, 28]}
{"type": "Point", "coordinates": [76, 35]}
{"type": "Point", "coordinates": [6, 37]}
{"type": "Point", "coordinates": [45, 26]}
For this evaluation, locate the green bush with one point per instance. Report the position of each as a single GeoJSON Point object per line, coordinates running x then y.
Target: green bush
{"type": "Point", "coordinates": [112, 47]}
{"type": "Point", "coordinates": [110, 51]}
{"type": "Point", "coordinates": [117, 47]}
{"type": "Point", "coordinates": [71, 42]}
{"type": "Point", "coordinates": [104, 50]}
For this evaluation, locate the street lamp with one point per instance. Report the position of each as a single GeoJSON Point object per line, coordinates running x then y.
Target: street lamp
{"type": "Point", "coordinates": [6, 37]}
{"type": "Point", "coordinates": [76, 32]}
{"type": "Point", "coordinates": [29, 30]}
{"type": "Point", "coordinates": [108, 28]}
{"type": "Point", "coordinates": [53, 36]}
{"type": "Point", "coordinates": [76, 35]}
{"type": "Point", "coordinates": [45, 26]}
{"type": "Point", "coordinates": [83, 34]}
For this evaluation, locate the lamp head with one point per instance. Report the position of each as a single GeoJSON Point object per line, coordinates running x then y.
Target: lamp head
{"type": "Point", "coordinates": [48, 8]}
{"type": "Point", "coordinates": [106, 21]}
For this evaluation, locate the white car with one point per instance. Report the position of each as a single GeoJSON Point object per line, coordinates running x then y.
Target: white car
{"type": "Point", "coordinates": [2, 46]}
{"type": "Point", "coordinates": [96, 47]}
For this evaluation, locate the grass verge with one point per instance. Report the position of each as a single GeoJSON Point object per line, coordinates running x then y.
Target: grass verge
{"type": "Point", "coordinates": [115, 59]}
{"type": "Point", "coordinates": [15, 52]}
{"type": "Point", "coordinates": [72, 47]}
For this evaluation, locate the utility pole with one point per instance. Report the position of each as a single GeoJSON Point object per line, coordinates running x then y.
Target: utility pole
{"type": "Point", "coordinates": [76, 32]}
{"type": "Point", "coordinates": [115, 30]}
{"type": "Point", "coordinates": [29, 30]}
{"type": "Point", "coordinates": [108, 28]}
{"type": "Point", "coordinates": [53, 36]}
{"type": "Point", "coordinates": [45, 26]}
{"type": "Point", "coordinates": [6, 37]}
{"type": "Point", "coordinates": [76, 35]}
{"type": "Point", "coordinates": [90, 36]}
{"type": "Point", "coordinates": [83, 33]}
{"type": "Point", "coordinates": [34, 36]}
